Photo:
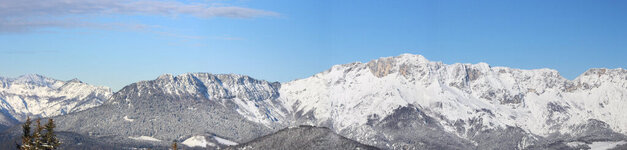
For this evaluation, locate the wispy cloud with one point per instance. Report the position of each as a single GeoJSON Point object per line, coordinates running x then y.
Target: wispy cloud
{"type": "Point", "coordinates": [27, 15]}
{"type": "Point", "coordinates": [18, 25]}
{"type": "Point", "coordinates": [27, 52]}
{"type": "Point", "coordinates": [229, 38]}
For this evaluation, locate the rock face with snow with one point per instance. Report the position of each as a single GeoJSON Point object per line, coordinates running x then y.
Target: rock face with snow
{"type": "Point", "coordinates": [38, 96]}
{"type": "Point", "coordinates": [410, 102]}
{"type": "Point", "coordinates": [152, 114]}
{"type": "Point", "coordinates": [402, 102]}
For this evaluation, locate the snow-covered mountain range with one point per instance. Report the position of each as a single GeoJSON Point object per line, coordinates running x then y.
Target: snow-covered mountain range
{"type": "Point", "coordinates": [402, 102]}
{"type": "Point", "coordinates": [463, 100]}
{"type": "Point", "coordinates": [198, 109]}
{"type": "Point", "coordinates": [38, 96]}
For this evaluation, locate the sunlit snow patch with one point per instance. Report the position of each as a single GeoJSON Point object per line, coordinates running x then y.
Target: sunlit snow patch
{"type": "Point", "coordinates": [145, 138]}
{"type": "Point", "coordinates": [224, 141]}
{"type": "Point", "coordinates": [575, 144]}
{"type": "Point", "coordinates": [605, 145]}
{"type": "Point", "coordinates": [197, 141]}
{"type": "Point", "coordinates": [598, 145]}
{"type": "Point", "coordinates": [128, 119]}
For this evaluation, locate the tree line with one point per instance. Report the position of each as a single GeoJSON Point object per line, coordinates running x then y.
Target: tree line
{"type": "Point", "coordinates": [43, 138]}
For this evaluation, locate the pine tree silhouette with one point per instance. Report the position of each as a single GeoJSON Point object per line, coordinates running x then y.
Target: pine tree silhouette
{"type": "Point", "coordinates": [37, 140]}
{"type": "Point", "coordinates": [36, 137]}
{"type": "Point", "coordinates": [26, 137]}
{"type": "Point", "coordinates": [50, 140]}
{"type": "Point", "coordinates": [174, 146]}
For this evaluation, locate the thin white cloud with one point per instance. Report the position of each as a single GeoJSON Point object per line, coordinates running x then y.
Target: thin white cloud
{"type": "Point", "coordinates": [26, 15]}
{"type": "Point", "coordinates": [229, 38]}
{"type": "Point", "coordinates": [27, 52]}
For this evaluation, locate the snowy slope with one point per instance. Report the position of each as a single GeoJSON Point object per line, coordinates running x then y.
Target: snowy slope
{"type": "Point", "coordinates": [253, 99]}
{"type": "Point", "coordinates": [461, 98]}
{"type": "Point", "coordinates": [38, 96]}
{"type": "Point", "coordinates": [223, 107]}
{"type": "Point", "coordinates": [303, 138]}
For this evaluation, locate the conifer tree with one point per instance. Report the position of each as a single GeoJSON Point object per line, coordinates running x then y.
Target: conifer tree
{"type": "Point", "coordinates": [50, 140]}
{"type": "Point", "coordinates": [174, 146]}
{"type": "Point", "coordinates": [37, 137]}
{"type": "Point", "coordinates": [26, 137]}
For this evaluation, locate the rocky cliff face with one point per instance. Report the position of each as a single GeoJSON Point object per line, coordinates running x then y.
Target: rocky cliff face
{"type": "Point", "coordinates": [39, 96]}
{"type": "Point", "coordinates": [402, 102]}
{"type": "Point", "coordinates": [152, 114]}
{"type": "Point", "coordinates": [473, 104]}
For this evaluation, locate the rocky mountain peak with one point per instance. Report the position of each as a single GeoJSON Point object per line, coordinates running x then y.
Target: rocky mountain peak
{"type": "Point", "coordinates": [459, 95]}
{"type": "Point", "coordinates": [596, 77]}
{"type": "Point", "coordinates": [31, 77]}
{"type": "Point", "coordinates": [34, 79]}
{"type": "Point", "coordinates": [206, 85]}
{"type": "Point", "coordinates": [165, 76]}
{"type": "Point", "coordinates": [75, 80]}
{"type": "Point", "coordinates": [401, 64]}
{"type": "Point", "coordinates": [411, 58]}
{"type": "Point", "coordinates": [610, 73]}
{"type": "Point", "coordinates": [39, 96]}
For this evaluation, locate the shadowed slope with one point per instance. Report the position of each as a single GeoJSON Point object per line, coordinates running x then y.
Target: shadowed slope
{"type": "Point", "coordinates": [304, 138]}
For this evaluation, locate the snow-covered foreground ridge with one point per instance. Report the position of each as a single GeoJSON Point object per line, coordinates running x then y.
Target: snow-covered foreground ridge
{"type": "Point", "coordinates": [38, 96]}
{"type": "Point", "coordinates": [459, 96]}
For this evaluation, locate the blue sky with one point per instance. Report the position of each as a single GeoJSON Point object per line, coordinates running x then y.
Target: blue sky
{"type": "Point", "coordinates": [118, 42]}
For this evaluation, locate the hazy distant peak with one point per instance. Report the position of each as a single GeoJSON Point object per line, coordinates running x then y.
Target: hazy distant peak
{"type": "Point", "coordinates": [75, 80]}
{"type": "Point", "coordinates": [35, 95]}
{"type": "Point", "coordinates": [165, 76]}
{"type": "Point", "coordinates": [31, 77]}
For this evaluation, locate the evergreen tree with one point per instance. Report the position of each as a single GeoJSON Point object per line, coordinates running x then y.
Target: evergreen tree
{"type": "Point", "coordinates": [39, 140]}
{"type": "Point", "coordinates": [50, 140]}
{"type": "Point", "coordinates": [174, 146]}
{"type": "Point", "coordinates": [37, 137]}
{"type": "Point", "coordinates": [26, 137]}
